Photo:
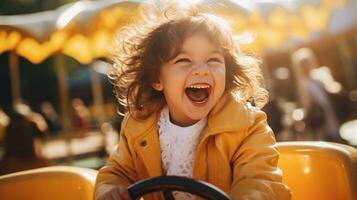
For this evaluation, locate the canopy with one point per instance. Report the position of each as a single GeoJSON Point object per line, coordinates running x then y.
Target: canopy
{"type": "Point", "coordinates": [82, 30]}
{"type": "Point", "coordinates": [85, 30]}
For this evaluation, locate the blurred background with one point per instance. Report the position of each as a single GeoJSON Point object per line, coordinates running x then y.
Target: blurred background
{"type": "Point", "coordinates": [57, 106]}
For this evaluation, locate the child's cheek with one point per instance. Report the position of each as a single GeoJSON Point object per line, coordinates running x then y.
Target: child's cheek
{"type": "Point", "coordinates": [219, 69]}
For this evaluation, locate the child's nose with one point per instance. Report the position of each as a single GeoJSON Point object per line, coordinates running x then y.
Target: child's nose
{"type": "Point", "coordinates": [201, 69]}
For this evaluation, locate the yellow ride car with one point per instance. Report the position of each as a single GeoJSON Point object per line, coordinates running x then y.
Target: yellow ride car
{"type": "Point", "coordinates": [312, 170]}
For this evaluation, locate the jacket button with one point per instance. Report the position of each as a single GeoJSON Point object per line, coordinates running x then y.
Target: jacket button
{"type": "Point", "coordinates": [143, 143]}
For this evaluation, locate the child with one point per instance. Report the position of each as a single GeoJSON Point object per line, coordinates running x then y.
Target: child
{"type": "Point", "coordinates": [186, 87]}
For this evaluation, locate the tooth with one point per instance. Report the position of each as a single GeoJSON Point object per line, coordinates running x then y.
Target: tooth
{"type": "Point", "coordinates": [198, 86]}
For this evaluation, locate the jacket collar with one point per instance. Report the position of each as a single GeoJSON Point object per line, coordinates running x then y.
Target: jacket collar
{"type": "Point", "coordinates": [146, 142]}
{"type": "Point", "coordinates": [229, 114]}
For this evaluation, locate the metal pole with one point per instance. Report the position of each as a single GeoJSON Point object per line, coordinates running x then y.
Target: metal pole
{"type": "Point", "coordinates": [64, 101]}
{"type": "Point", "coordinates": [98, 105]}
{"type": "Point", "coordinates": [97, 95]}
{"type": "Point", "coordinates": [15, 78]}
{"type": "Point", "coordinates": [63, 91]}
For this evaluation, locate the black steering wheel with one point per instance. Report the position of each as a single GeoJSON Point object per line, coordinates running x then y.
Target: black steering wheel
{"type": "Point", "coordinates": [168, 184]}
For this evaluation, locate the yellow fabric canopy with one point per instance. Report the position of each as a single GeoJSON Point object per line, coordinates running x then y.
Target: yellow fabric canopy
{"type": "Point", "coordinates": [86, 30]}
{"type": "Point", "coordinates": [93, 38]}
{"type": "Point", "coordinates": [83, 30]}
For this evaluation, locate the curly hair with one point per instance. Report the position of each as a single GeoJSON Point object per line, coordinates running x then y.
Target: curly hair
{"type": "Point", "coordinates": [142, 48]}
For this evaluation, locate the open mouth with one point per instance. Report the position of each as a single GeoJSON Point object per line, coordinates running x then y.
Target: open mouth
{"type": "Point", "coordinates": [198, 93]}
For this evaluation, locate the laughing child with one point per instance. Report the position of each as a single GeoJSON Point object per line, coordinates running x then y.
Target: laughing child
{"type": "Point", "coordinates": [193, 109]}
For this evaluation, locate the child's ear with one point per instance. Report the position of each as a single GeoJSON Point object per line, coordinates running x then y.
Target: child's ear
{"type": "Point", "coordinates": [158, 86]}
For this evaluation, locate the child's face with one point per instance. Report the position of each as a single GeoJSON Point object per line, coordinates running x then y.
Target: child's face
{"type": "Point", "coordinates": [193, 81]}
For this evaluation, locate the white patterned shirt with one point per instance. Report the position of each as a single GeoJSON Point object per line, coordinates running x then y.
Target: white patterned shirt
{"type": "Point", "coordinates": [178, 147]}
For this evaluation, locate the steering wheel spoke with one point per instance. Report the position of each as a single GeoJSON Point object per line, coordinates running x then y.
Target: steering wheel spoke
{"type": "Point", "coordinates": [168, 194]}
{"type": "Point", "coordinates": [168, 184]}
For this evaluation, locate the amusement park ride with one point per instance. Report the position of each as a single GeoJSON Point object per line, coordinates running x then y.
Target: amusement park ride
{"type": "Point", "coordinates": [312, 170]}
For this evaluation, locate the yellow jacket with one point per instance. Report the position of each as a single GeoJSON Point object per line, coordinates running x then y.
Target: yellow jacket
{"type": "Point", "coordinates": [236, 153]}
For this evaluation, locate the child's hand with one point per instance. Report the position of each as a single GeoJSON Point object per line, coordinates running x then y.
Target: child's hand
{"type": "Point", "coordinates": [116, 193]}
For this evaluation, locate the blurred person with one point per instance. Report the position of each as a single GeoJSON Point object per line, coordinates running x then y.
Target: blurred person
{"type": "Point", "coordinates": [320, 118]}
{"type": "Point", "coordinates": [51, 117]}
{"type": "Point", "coordinates": [25, 110]}
{"type": "Point", "coordinates": [338, 95]}
{"type": "Point", "coordinates": [81, 116]}
{"type": "Point", "coordinates": [273, 111]}
{"type": "Point", "coordinates": [20, 145]}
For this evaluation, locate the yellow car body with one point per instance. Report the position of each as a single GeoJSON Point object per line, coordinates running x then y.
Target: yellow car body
{"type": "Point", "coordinates": [312, 170]}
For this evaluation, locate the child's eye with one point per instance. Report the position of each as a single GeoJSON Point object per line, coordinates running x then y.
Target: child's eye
{"type": "Point", "coordinates": [182, 60]}
{"type": "Point", "coordinates": [215, 60]}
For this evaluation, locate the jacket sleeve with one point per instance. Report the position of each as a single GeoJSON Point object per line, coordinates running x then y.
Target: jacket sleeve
{"type": "Point", "coordinates": [255, 171]}
{"type": "Point", "coordinates": [120, 169]}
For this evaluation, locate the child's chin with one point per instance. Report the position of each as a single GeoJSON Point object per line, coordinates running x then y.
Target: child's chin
{"type": "Point", "coordinates": [198, 115]}
{"type": "Point", "coordinates": [198, 111]}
